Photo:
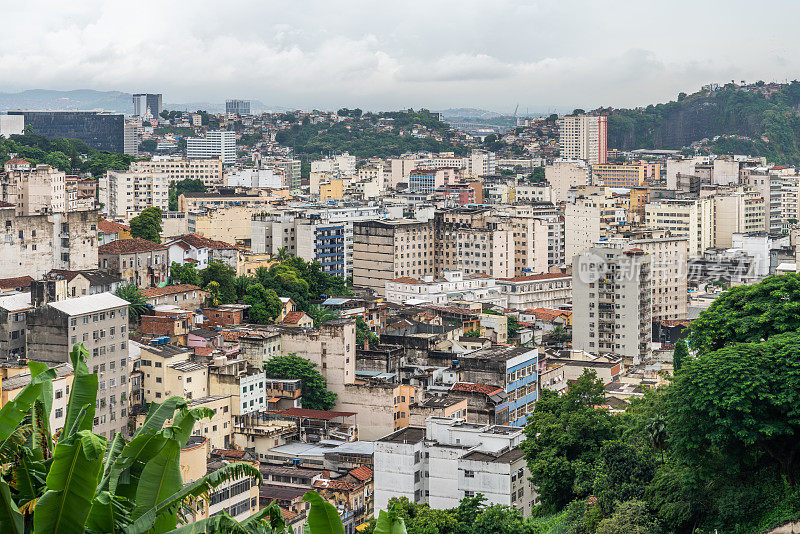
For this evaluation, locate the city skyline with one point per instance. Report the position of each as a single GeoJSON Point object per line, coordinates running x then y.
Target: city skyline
{"type": "Point", "coordinates": [492, 56]}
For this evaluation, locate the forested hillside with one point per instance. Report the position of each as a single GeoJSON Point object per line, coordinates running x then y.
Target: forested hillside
{"type": "Point", "coordinates": [709, 114]}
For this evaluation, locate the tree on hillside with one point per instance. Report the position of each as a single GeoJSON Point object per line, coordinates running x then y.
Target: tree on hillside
{"type": "Point", "coordinates": [180, 187]}
{"type": "Point", "coordinates": [740, 403]}
{"type": "Point", "coordinates": [147, 225]}
{"type": "Point", "coordinates": [320, 314]}
{"type": "Point", "coordinates": [749, 314]}
{"type": "Point", "coordinates": [315, 388]}
{"type": "Point", "coordinates": [363, 333]}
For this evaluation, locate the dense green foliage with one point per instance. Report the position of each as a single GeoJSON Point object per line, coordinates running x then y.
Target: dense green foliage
{"type": "Point", "coordinates": [68, 155]}
{"type": "Point", "coordinates": [147, 225]}
{"type": "Point", "coordinates": [707, 115]}
{"type": "Point", "coordinates": [184, 274]}
{"type": "Point", "coordinates": [315, 388]}
{"type": "Point", "coordinates": [717, 448]}
{"type": "Point", "coordinates": [361, 137]}
{"type": "Point", "coordinates": [679, 355]}
{"type": "Point", "coordinates": [187, 185]}
{"type": "Point", "coordinates": [136, 301]}
{"type": "Point", "coordinates": [265, 305]}
{"type": "Point", "coordinates": [471, 516]}
{"type": "Point", "coordinates": [749, 314]}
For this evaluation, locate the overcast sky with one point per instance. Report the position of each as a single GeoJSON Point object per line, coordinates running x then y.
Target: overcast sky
{"type": "Point", "coordinates": [381, 54]}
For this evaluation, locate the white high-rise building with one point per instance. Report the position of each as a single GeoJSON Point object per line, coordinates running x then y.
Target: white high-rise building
{"type": "Point", "coordinates": [612, 303]}
{"type": "Point", "coordinates": [216, 144]}
{"type": "Point", "coordinates": [583, 137]}
{"type": "Point", "coordinates": [693, 219]}
{"type": "Point", "coordinates": [126, 193]}
{"type": "Point", "coordinates": [12, 125]}
{"type": "Point", "coordinates": [481, 163]}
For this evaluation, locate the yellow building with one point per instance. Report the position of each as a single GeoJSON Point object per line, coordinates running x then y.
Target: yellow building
{"type": "Point", "coordinates": [333, 190]}
{"type": "Point", "coordinates": [249, 263]}
{"type": "Point", "coordinates": [625, 175]}
{"type": "Point", "coordinates": [167, 371]}
{"type": "Point", "coordinates": [228, 224]}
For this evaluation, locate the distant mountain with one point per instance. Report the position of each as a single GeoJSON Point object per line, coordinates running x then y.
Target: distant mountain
{"type": "Point", "coordinates": [464, 113]}
{"type": "Point", "coordinates": [114, 101]}
{"type": "Point", "coordinates": [83, 99]}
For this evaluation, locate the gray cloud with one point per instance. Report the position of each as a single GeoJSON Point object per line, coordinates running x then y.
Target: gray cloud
{"type": "Point", "coordinates": [438, 53]}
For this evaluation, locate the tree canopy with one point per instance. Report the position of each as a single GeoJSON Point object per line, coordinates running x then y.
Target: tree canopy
{"type": "Point", "coordinates": [315, 388]}
{"type": "Point", "coordinates": [147, 225]}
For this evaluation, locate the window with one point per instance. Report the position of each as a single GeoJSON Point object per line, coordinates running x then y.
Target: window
{"type": "Point", "coordinates": [59, 393]}
{"type": "Point", "coordinates": [59, 413]}
{"type": "Point", "coordinates": [469, 474]}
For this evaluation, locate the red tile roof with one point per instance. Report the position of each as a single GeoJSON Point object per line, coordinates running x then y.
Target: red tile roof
{"type": "Point", "coordinates": [548, 314]}
{"type": "Point", "coordinates": [338, 485]}
{"type": "Point", "coordinates": [13, 283]}
{"type": "Point", "coordinates": [111, 227]}
{"type": "Point", "coordinates": [471, 387]}
{"type": "Point", "coordinates": [17, 161]}
{"type": "Point", "coordinates": [168, 290]}
{"type": "Point", "coordinates": [129, 246]}
{"type": "Point", "coordinates": [535, 277]}
{"type": "Point", "coordinates": [406, 280]}
{"type": "Point", "coordinates": [198, 241]}
{"type": "Point", "coordinates": [362, 472]}
{"type": "Point", "coordinates": [204, 351]}
{"type": "Point", "coordinates": [294, 317]}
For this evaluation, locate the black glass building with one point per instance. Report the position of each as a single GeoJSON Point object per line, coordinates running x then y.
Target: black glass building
{"type": "Point", "coordinates": [99, 130]}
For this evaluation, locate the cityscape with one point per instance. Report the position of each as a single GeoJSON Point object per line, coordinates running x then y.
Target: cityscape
{"type": "Point", "coordinates": [560, 317]}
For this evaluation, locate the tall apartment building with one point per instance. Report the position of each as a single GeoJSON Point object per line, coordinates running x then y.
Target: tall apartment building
{"type": "Point", "coordinates": [125, 194]}
{"type": "Point", "coordinates": [291, 171]}
{"type": "Point", "coordinates": [693, 219]}
{"type": "Point", "coordinates": [100, 130]}
{"type": "Point", "coordinates": [144, 102]}
{"type": "Point", "coordinates": [36, 244]}
{"type": "Point", "coordinates": [768, 184]}
{"type": "Point", "coordinates": [740, 212]}
{"type": "Point", "coordinates": [481, 163]}
{"type": "Point", "coordinates": [209, 171]}
{"type": "Point", "coordinates": [563, 175]}
{"type": "Point", "coordinates": [612, 303]}
{"type": "Point", "coordinates": [668, 271]}
{"type": "Point", "coordinates": [216, 144]}
{"type": "Point", "coordinates": [38, 190]}
{"type": "Point", "coordinates": [790, 201]}
{"type": "Point", "coordinates": [583, 137]}
{"type": "Point", "coordinates": [237, 107]}
{"type": "Point", "coordinates": [100, 322]}
{"type": "Point", "coordinates": [386, 250]}
{"type": "Point", "coordinates": [130, 138]}
{"type": "Point", "coordinates": [449, 460]}
{"type": "Point", "coordinates": [591, 217]}
{"type": "Point", "coordinates": [474, 240]}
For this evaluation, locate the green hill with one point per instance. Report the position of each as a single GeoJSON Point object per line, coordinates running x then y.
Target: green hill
{"type": "Point", "coordinates": [704, 115]}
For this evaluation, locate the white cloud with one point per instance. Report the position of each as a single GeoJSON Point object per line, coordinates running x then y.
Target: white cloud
{"type": "Point", "coordinates": [437, 53]}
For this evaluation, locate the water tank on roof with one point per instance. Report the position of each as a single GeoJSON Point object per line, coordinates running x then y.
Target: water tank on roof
{"type": "Point", "coordinates": [296, 462]}
{"type": "Point", "coordinates": [455, 363]}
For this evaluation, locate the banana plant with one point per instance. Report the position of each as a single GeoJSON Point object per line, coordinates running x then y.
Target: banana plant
{"type": "Point", "coordinates": [81, 483]}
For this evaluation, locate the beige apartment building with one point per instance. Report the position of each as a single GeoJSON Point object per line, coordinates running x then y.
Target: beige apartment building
{"type": "Point", "coordinates": [39, 190]}
{"type": "Point", "coordinates": [583, 137]}
{"type": "Point", "coordinates": [563, 175]}
{"type": "Point", "coordinates": [612, 309]}
{"type": "Point", "coordinates": [737, 213]}
{"type": "Point", "coordinates": [668, 269]}
{"type": "Point", "coordinates": [124, 194]}
{"type": "Point", "coordinates": [386, 250]}
{"type": "Point", "coordinates": [693, 219]}
{"type": "Point", "coordinates": [167, 371]}
{"type": "Point", "coordinates": [476, 240]}
{"type": "Point", "coordinates": [100, 322]}
{"type": "Point", "coordinates": [254, 198]}
{"type": "Point", "coordinates": [209, 171]}
{"type": "Point", "coordinates": [587, 220]}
